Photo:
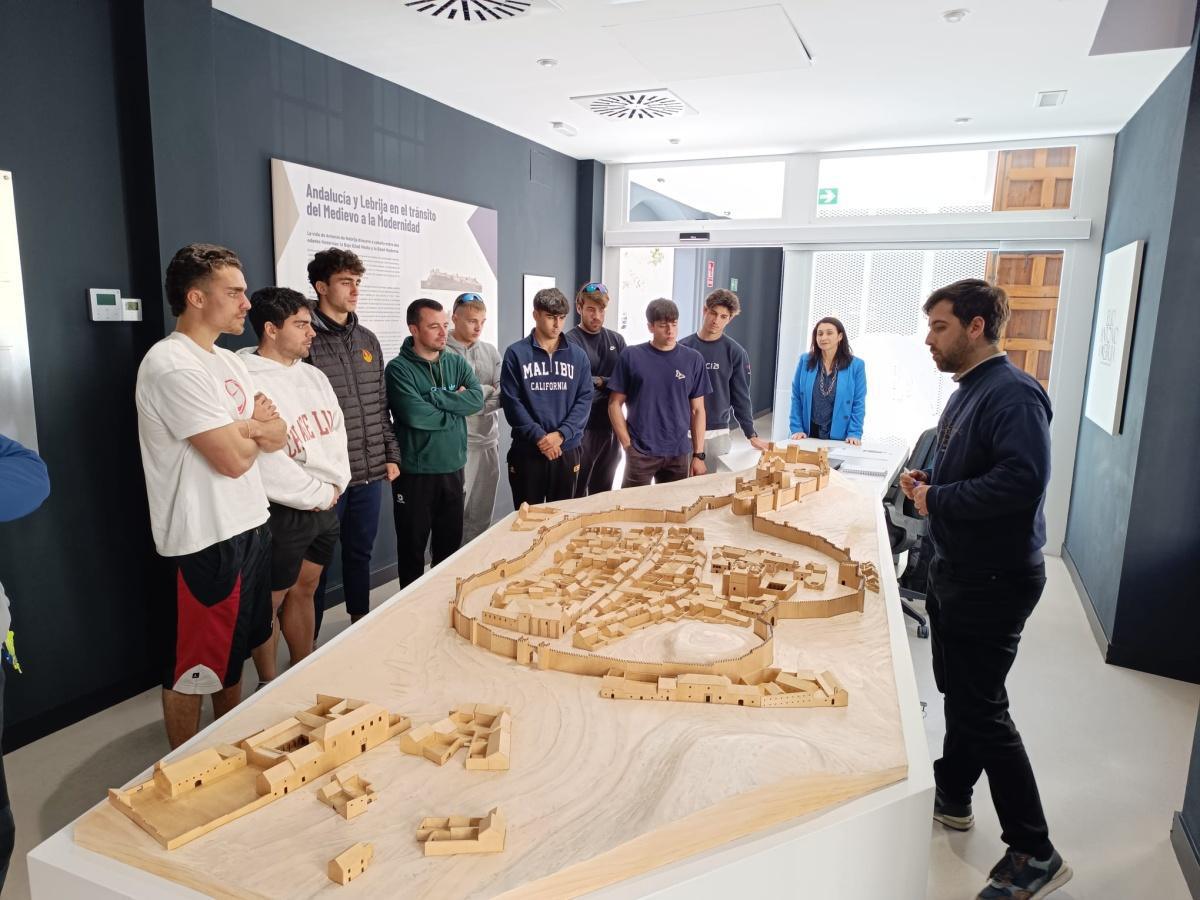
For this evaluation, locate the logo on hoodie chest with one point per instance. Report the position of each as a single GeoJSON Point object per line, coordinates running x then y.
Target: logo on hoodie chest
{"type": "Point", "coordinates": [550, 368]}
{"type": "Point", "coordinates": [307, 427]}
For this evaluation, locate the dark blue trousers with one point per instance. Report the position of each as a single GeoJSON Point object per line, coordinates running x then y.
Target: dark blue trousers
{"type": "Point", "coordinates": [358, 514]}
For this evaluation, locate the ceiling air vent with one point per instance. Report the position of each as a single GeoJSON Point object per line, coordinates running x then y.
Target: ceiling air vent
{"type": "Point", "coordinates": [656, 104]}
{"type": "Point", "coordinates": [1050, 98]}
{"type": "Point", "coordinates": [470, 10]}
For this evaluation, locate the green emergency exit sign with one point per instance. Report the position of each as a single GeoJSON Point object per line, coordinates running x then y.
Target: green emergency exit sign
{"type": "Point", "coordinates": [827, 197]}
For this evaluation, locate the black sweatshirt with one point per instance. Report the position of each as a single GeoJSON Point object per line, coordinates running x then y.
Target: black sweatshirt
{"type": "Point", "coordinates": [603, 349]}
{"type": "Point", "coordinates": [990, 473]}
{"type": "Point", "coordinates": [728, 366]}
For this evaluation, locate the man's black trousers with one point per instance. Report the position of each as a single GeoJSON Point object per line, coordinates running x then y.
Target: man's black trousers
{"type": "Point", "coordinates": [425, 507]}
{"type": "Point", "coordinates": [975, 623]}
{"type": "Point", "coordinates": [600, 453]}
{"type": "Point", "coordinates": [535, 479]}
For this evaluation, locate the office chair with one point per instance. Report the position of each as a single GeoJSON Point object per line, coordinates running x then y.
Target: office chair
{"type": "Point", "coordinates": [906, 532]}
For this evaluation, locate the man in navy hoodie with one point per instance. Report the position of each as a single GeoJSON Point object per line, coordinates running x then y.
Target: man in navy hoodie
{"type": "Point", "coordinates": [546, 394]}
{"type": "Point", "coordinates": [984, 498]}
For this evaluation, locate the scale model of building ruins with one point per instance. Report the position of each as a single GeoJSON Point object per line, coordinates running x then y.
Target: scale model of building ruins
{"type": "Point", "coordinates": [608, 582]}
{"type": "Point", "coordinates": [459, 834]}
{"type": "Point", "coordinates": [350, 863]}
{"type": "Point", "coordinates": [486, 732]}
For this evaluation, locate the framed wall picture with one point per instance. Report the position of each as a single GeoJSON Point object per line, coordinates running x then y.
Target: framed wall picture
{"type": "Point", "coordinates": [533, 284]}
{"type": "Point", "coordinates": [1120, 279]}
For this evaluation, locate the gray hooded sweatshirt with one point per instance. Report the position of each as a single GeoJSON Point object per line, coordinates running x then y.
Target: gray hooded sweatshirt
{"type": "Point", "coordinates": [483, 428]}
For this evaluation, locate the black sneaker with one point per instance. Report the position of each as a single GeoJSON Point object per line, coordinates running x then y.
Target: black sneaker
{"type": "Point", "coordinates": [1021, 877]}
{"type": "Point", "coordinates": [953, 815]}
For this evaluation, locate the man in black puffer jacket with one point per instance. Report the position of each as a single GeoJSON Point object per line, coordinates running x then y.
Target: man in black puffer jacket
{"type": "Point", "coordinates": [351, 359]}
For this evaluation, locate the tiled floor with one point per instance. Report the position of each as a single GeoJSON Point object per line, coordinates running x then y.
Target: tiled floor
{"type": "Point", "coordinates": [1110, 747]}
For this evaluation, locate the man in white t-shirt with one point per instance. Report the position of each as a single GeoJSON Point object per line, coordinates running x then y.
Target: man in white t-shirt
{"type": "Point", "coordinates": [201, 427]}
{"type": "Point", "coordinates": [304, 480]}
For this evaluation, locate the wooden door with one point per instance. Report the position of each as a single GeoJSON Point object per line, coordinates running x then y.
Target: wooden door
{"type": "Point", "coordinates": [1032, 282]}
{"type": "Point", "coordinates": [1034, 179]}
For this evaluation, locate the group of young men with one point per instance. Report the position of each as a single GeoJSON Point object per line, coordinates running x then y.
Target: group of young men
{"type": "Point", "coordinates": [259, 462]}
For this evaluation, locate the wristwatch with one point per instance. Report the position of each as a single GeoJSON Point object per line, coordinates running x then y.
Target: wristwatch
{"type": "Point", "coordinates": [699, 456]}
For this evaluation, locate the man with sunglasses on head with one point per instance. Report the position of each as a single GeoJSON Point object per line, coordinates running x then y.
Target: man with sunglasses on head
{"type": "Point", "coordinates": [483, 428]}
{"type": "Point", "coordinates": [600, 451]}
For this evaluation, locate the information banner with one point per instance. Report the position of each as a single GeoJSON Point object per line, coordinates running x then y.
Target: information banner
{"type": "Point", "coordinates": [412, 244]}
{"type": "Point", "coordinates": [16, 378]}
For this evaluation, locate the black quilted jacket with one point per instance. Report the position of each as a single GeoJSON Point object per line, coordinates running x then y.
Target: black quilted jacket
{"type": "Point", "coordinates": [350, 357]}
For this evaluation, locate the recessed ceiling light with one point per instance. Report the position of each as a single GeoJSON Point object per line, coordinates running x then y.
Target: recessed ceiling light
{"type": "Point", "coordinates": [1050, 98]}
{"type": "Point", "coordinates": [954, 16]}
{"type": "Point", "coordinates": [565, 128]}
{"type": "Point", "coordinates": [547, 63]}
{"type": "Point", "coordinates": [962, 120]}
{"type": "Point", "coordinates": [673, 141]}
{"type": "Point", "coordinates": [662, 181]}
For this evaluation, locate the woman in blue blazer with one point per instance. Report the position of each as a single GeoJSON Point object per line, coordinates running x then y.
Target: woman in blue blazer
{"type": "Point", "coordinates": [829, 390]}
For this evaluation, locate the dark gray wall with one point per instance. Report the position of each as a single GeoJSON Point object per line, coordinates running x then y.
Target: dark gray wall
{"type": "Point", "coordinates": [154, 125]}
{"type": "Point", "coordinates": [81, 571]}
{"type": "Point", "coordinates": [1141, 202]}
{"type": "Point", "coordinates": [1133, 543]}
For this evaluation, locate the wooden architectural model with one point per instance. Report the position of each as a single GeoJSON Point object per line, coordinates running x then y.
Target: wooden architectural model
{"type": "Point", "coordinates": [459, 834]}
{"type": "Point", "coordinates": [609, 582]}
{"type": "Point", "coordinates": [485, 731]}
{"type": "Point", "coordinates": [348, 794]}
{"type": "Point", "coordinates": [350, 863]}
{"type": "Point", "coordinates": [770, 688]}
{"type": "Point", "coordinates": [191, 796]}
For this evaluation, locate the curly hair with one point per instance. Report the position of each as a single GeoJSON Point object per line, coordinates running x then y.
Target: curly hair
{"type": "Point", "coordinates": [191, 265]}
{"type": "Point", "coordinates": [329, 262]}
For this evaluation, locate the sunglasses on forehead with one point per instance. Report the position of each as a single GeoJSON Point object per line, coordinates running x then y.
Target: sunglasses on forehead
{"type": "Point", "coordinates": [594, 287]}
{"type": "Point", "coordinates": [466, 298]}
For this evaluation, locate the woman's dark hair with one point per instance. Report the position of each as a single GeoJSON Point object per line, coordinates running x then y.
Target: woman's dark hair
{"type": "Point", "coordinates": [841, 359]}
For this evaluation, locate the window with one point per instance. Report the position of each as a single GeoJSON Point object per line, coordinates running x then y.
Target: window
{"type": "Point", "coordinates": [750, 190]}
{"type": "Point", "coordinates": [877, 295]}
{"type": "Point", "coordinates": [963, 181]}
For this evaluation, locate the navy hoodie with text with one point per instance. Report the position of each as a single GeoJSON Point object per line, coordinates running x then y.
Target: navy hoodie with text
{"type": "Point", "coordinates": [542, 392]}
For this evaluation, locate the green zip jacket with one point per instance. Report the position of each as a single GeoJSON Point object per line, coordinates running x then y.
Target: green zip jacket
{"type": "Point", "coordinates": [429, 410]}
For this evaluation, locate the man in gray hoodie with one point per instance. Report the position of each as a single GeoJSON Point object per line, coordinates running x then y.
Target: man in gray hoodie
{"type": "Point", "coordinates": [483, 428]}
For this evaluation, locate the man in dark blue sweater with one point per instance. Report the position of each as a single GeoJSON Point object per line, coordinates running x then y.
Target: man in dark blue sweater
{"type": "Point", "coordinates": [984, 499]}
{"type": "Point", "coordinates": [546, 395]}
{"type": "Point", "coordinates": [728, 366]}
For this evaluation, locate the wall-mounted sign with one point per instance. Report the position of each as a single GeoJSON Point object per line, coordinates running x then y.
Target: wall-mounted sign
{"type": "Point", "coordinates": [413, 245]}
{"type": "Point", "coordinates": [711, 277]}
{"type": "Point", "coordinates": [827, 197]}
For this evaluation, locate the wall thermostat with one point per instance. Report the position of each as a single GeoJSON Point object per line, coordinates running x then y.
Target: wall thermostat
{"type": "Point", "coordinates": [131, 310]}
{"type": "Point", "coordinates": [105, 304]}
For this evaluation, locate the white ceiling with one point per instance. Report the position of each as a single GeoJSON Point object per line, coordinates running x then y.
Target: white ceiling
{"type": "Point", "coordinates": [883, 73]}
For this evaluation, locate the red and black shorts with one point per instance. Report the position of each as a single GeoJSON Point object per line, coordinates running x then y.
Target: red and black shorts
{"type": "Point", "coordinates": [222, 612]}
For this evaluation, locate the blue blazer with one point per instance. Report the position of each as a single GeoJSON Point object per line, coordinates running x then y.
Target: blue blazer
{"type": "Point", "coordinates": [849, 399]}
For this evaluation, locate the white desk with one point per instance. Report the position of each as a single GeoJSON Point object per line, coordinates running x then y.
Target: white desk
{"type": "Point", "coordinates": [874, 846]}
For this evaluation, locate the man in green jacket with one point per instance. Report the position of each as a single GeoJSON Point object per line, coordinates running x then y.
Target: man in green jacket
{"type": "Point", "coordinates": [431, 391]}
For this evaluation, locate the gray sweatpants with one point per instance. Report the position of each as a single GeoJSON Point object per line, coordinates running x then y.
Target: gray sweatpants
{"type": "Point", "coordinates": [482, 475]}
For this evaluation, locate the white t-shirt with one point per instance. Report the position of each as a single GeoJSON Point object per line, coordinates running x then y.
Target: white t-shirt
{"type": "Point", "coordinates": [183, 390]}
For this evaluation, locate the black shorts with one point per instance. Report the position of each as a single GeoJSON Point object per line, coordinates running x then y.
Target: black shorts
{"type": "Point", "coordinates": [297, 535]}
{"type": "Point", "coordinates": [222, 612]}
